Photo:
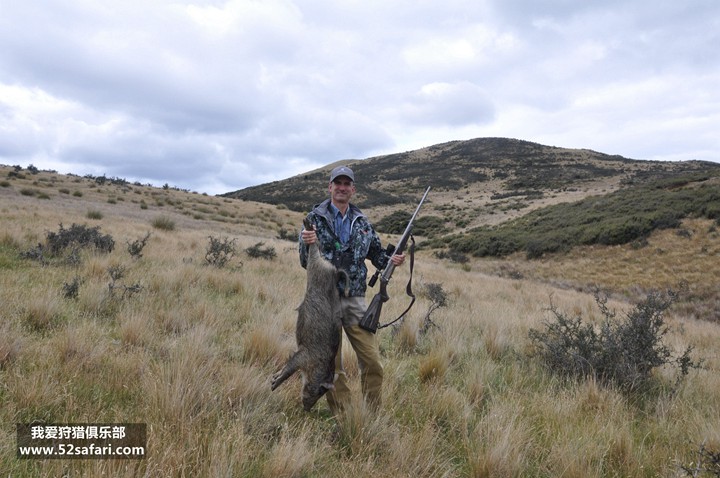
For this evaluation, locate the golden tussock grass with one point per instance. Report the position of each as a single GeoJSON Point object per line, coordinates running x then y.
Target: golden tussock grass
{"type": "Point", "coordinates": [294, 454]}
{"type": "Point", "coordinates": [135, 328]}
{"type": "Point", "coordinates": [434, 366]}
{"type": "Point", "coordinates": [79, 345]}
{"type": "Point", "coordinates": [499, 444]}
{"type": "Point", "coordinates": [11, 344]}
{"type": "Point", "coordinates": [43, 313]}
{"type": "Point", "coordinates": [192, 351]}
{"type": "Point", "coordinates": [407, 336]}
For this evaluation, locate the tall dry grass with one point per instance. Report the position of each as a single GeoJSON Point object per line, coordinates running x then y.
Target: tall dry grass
{"type": "Point", "coordinates": [192, 352]}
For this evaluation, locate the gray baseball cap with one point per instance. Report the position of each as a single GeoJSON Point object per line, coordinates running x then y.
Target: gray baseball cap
{"type": "Point", "coordinates": [342, 171]}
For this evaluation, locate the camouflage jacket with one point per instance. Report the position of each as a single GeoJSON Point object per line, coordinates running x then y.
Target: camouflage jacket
{"type": "Point", "coordinates": [364, 244]}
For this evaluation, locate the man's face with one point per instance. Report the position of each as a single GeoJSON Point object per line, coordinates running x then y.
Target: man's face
{"type": "Point", "coordinates": [342, 190]}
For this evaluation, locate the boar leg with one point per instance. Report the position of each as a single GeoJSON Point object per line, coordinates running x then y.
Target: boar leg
{"type": "Point", "coordinates": [290, 368]}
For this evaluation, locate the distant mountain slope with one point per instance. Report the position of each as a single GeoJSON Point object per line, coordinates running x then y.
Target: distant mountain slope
{"type": "Point", "coordinates": [476, 182]}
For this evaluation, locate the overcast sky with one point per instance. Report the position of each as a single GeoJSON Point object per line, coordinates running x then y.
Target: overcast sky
{"type": "Point", "coordinates": [214, 96]}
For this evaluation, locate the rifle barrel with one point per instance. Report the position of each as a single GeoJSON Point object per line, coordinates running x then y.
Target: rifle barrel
{"type": "Point", "coordinates": [408, 228]}
{"type": "Point", "coordinates": [390, 268]}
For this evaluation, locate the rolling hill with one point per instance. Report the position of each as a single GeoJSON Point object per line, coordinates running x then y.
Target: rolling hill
{"type": "Point", "coordinates": [486, 180]}
{"type": "Point", "coordinates": [505, 198]}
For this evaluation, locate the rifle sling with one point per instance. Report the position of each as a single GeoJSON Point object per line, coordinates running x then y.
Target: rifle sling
{"type": "Point", "coordinates": [408, 288]}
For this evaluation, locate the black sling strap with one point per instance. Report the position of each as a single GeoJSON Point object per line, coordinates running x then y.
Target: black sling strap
{"type": "Point", "coordinates": [408, 288]}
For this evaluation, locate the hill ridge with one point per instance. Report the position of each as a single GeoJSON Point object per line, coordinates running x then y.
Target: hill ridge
{"type": "Point", "coordinates": [481, 171]}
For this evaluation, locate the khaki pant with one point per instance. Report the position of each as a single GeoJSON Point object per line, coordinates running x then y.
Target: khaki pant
{"type": "Point", "coordinates": [367, 349]}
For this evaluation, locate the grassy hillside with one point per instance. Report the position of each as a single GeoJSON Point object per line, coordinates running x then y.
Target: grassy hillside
{"type": "Point", "coordinates": [630, 222]}
{"type": "Point", "coordinates": [188, 348]}
{"type": "Point", "coordinates": [621, 217]}
{"type": "Point", "coordinates": [477, 182]}
{"type": "Point", "coordinates": [505, 198]}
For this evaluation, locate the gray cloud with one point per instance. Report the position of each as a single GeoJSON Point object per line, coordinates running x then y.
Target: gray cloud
{"type": "Point", "coordinates": [219, 95]}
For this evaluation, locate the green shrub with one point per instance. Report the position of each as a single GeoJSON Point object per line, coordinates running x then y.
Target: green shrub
{"type": "Point", "coordinates": [396, 223]}
{"type": "Point", "coordinates": [535, 248]}
{"type": "Point", "coordinates": [36, 254]}
{"type": "Point", "coordinates": [80, 236]}
{"type": "Point", "coordinates": [117, 273]}
{"type": "Point", "coordinates": [71, 289]}
{"type": "Point", "coordinates": [135, 248]}
{"type": "Point", "coordinates": [621, 352]}
{"type": "Point", "coordinates": [286, 235]}
{"type": "Point", "coordinates": [452, 256]}
{"type": "Point", "coordinates": [220, 251]}
{"type": "Point", "coordinates": [623, 233]}
{"type": "Point", "coordinates": [707, 464]}
{"type": "Point", "coordinates": [438, 298]}
{"type": "Point", "coordinates": [92, 214]}
{"type": "Point", "coordinates": [257, 251]}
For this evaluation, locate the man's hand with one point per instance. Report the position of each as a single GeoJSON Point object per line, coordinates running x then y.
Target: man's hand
{"type": "Point", "coordinates": [308, 236]}
{"type": "Point", "coordinates": [397, 259]}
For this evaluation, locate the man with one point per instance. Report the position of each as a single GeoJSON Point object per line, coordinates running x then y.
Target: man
{"type": "Point", "coordinates": [347, 238]}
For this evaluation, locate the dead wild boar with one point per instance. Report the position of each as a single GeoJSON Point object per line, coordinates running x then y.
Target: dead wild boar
{"type": "Point", "coordinates": [318, 329]}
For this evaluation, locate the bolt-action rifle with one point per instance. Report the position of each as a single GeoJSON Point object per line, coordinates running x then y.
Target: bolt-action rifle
{"type": "Point", "coordinates": [371, 319]}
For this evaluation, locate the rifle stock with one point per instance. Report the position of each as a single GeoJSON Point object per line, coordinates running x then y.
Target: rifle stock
{"type": "Point", "coordinates": [371, 319]}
